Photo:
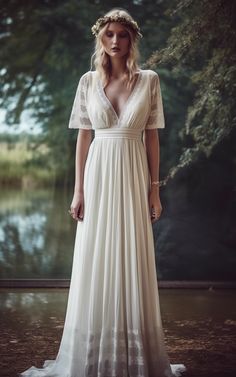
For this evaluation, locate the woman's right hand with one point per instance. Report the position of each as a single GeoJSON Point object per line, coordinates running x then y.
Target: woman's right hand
{"type": "Point", "coordinates": [77, 206]}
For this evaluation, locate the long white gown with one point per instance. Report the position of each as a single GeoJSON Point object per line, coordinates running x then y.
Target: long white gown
{"type": "Point", "coordinates": [113, 324]}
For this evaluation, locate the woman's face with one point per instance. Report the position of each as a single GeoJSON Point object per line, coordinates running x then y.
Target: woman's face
{"type": "Point", "coordinates": [116, 40]}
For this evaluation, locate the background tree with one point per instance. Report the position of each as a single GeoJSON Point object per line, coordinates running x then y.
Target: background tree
{"type": "Point", "coordinates": [203, 45]}
{"type": "Point", "coordinates": [45, 47]}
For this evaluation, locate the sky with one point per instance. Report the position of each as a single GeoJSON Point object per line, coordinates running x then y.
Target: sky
{"type": "Point", "coordinates": [27, 125]}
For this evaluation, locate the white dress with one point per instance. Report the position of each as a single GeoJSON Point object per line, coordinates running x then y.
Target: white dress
{"type": "Point", "coordinates": [113, 323]}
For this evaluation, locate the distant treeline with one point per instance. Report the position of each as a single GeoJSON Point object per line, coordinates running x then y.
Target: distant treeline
{"type": "Point", "coordinates": [23, 162]}
{"type": "Point", "coordinates": [12, 138]}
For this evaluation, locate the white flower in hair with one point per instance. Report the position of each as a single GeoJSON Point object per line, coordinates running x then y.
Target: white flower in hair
{"type": "Point", "coordinates": [116, 18]}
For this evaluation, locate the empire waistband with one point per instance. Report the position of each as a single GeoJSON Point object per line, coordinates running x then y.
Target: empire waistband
{"type": "Point", "coordinates": [130, 133]}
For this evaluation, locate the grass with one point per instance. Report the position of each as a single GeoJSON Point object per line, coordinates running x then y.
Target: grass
{"type": "Point", "coordinates": [19, 167]}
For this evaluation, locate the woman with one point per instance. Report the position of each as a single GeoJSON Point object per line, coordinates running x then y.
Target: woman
{"type": "Point", "coordinates": [113, 325]}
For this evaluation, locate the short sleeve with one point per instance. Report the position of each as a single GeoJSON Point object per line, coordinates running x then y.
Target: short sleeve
{"type": "Point", "coordinates": [156, 117]}
{"type": "Point", "coordinates": [79, 117]}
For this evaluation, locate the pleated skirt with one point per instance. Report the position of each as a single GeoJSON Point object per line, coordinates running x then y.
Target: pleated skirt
{"type": "Point", "coordinates": [113, 324]}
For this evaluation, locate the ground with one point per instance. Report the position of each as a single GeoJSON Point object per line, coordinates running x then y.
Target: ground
{"type": "Point", "coordinates": [199, 326]}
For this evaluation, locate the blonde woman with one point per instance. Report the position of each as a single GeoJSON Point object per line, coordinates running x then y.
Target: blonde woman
{"type": "Point", "coordinates": [113, 324]}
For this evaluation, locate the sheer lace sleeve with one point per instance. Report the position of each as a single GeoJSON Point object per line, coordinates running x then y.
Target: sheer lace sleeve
{"type": "Point", "coordinates": [156, 116]}
{"type": "Point", "coordinates": [79, 117]}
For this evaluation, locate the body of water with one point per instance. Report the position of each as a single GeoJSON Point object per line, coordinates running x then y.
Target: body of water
{"type": "Point", "coordinates": [37, 239]}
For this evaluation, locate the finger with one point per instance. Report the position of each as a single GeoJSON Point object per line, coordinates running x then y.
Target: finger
{"type": "Point", "coordinates": [154, 220]}
{"type": "Point", "coordinates": [77, 216]}
{"type": "Point", "coordinates": [80, 216]}
{"type": "Point", "coordinates": [81, 212]}
{"type": "Point", "coordinates": [73, 213]}
{"type": "Point", "coordinates": [152, 211]}
{"type": "Point", "coordinates": [157, 211]}
{"type": "Point", "coordinates": [155, 217]}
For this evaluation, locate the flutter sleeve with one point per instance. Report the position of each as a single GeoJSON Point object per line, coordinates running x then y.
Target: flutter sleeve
{"type": "Point", "coordinates": [79, 117]}
{"type": "Point", "coordinates": [156, 117]}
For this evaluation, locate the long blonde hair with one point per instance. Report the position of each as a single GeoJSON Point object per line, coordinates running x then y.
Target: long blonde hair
{"type": "Point", "coordinates": [101, 60]}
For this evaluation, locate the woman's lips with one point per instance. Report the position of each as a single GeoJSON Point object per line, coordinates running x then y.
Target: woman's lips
{"type": "Point", "coordinates": [115, 49]}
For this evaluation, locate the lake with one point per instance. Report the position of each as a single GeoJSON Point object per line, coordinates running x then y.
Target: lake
{"type": "Point", "coordinates": [37, 239]}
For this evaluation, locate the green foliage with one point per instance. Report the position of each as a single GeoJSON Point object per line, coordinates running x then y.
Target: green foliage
{"type": "Point", "coordinates": [45, 46]}
{"type": "Point", "coordinates": [204, 40]}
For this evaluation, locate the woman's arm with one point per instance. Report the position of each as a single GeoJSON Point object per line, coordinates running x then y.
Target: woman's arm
{"type": "Point", "coordinates": [152, 146]}
{"type": "Point", "coordinates": [82, 146]}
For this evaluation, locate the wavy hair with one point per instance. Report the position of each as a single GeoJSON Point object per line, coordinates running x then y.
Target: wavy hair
{"type": "Point", "coordinates": [101, 60]}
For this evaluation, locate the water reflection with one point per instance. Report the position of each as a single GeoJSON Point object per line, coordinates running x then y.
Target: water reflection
{"type": "Point", "coordinates": [37, 238]}
{"type": "Point", "coordinates": [36, 234]}
{"type": "Point", "coordinates": [31, 230]}
{"type": "Point", "coordinates": [194, 305]}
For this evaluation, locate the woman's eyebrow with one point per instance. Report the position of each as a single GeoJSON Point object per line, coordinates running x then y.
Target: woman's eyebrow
{"type": "Point", "coordinates": [119, 31]}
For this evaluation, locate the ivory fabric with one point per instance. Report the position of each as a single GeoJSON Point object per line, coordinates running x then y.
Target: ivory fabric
{"type": "Point", "coordinates": [92, 109]}
{"type": "Point", "coordinates": [113, 324]}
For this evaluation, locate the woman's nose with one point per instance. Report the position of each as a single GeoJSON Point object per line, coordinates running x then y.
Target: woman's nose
{"type": "Point", "coordinates": [115, 38]}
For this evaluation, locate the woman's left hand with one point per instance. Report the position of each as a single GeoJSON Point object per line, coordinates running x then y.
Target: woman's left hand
{"type": "Point", "coordinates": [155, 206]}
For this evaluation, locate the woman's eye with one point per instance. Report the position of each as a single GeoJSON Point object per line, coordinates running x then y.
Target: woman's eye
{"type": "Point", "coordinates": [124, 35]}
{"type": "Point", "coordinates": [109, 34]}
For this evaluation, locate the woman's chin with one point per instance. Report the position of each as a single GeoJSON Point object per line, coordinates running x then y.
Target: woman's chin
{"type": "Point", "coordinates": [117, 54]}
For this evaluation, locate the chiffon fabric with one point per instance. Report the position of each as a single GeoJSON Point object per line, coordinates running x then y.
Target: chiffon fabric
{"type": "Point", "coordinates": [113, 324]}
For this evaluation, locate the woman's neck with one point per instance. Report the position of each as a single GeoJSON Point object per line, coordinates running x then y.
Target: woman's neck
{"type": "Point", "coordinates": [118, 68]}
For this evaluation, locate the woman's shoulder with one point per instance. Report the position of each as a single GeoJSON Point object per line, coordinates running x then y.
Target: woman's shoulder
{"type": "Point", "coordinates": [149, 72]}
{"type": "Point", "coordinates": [89, 73]}
{"type": "Point", "coordinates": [87, 77]}
{"type": "Point", "coordinates": [151, 77]}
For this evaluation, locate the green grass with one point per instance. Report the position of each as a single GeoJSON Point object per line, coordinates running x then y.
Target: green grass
{"type": "Point", "coordinates": [18, 166]}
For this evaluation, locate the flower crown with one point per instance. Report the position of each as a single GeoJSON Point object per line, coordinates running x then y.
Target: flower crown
{"type": "Point", "coordinates": [115, 18]}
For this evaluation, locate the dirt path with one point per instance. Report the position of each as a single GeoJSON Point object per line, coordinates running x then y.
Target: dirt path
{"type": "Point", "coordinates": [205, 344]}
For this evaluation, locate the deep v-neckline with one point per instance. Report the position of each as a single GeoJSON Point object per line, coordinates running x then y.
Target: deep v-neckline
{"type": "Point", "coordinates": [108, 102]}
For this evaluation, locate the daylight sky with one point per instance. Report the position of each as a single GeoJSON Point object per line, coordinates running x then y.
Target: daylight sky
{"type": "Point", "coordinates": [26, 125]}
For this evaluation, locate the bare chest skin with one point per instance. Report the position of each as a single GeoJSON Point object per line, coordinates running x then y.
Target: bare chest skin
{"type": "Point", "coordinates": [117, 93]}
